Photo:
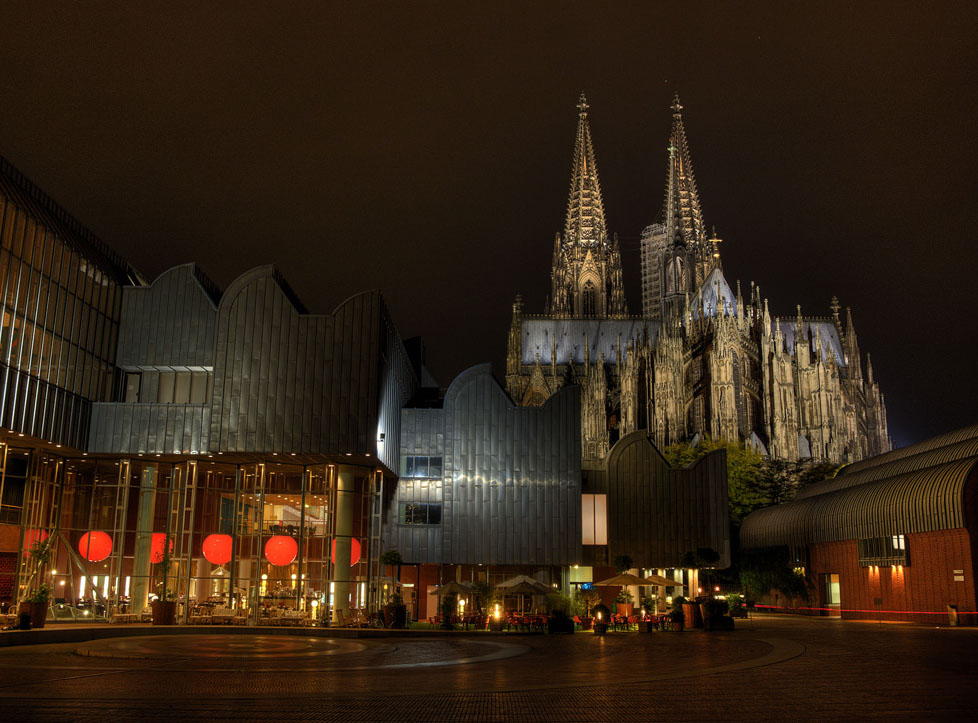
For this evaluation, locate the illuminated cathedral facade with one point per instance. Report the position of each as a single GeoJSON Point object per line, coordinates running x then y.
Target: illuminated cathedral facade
{"type": "Point", "coordinates": [703, 358]}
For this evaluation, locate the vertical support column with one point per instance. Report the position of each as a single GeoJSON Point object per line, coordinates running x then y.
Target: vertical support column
{"type": "Point", "coordinates": [145, 510]}
{"type": "Point", "coordinates": [345, 493]}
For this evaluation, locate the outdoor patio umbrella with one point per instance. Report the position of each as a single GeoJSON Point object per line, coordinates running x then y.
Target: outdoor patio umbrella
{"type": "Point", "coordinates": [539, 587]}
{"type": "Point", "coordinates": [453, 588]}
{"type": "Point", "coordinates": [658, 580]}
{"type": "Point", "coordinates": [522, 585]}
{"type": "Point", "coordinates": [625, 579]}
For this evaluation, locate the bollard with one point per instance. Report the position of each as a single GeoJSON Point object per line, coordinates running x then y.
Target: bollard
{"type": "Point", "coordinates": [952, 615]}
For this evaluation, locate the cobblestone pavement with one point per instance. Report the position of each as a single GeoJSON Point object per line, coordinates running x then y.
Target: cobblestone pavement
{"type": "Point", "coordinates": [772, 668]}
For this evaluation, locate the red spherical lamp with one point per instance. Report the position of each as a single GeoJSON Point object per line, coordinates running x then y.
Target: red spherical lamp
{"type": "Point", "coordinates": [95, 546]}
{"type": "Point", "coordinates": [280, 550]}
{"type": "Point", "coordinates": [355, 551]}
{"type": "Point", "coordinates": [33, 537]}
{"type": "Point", "coordinates": [156, 547]}
{"type": "Point", "coordinates": [217, 549]}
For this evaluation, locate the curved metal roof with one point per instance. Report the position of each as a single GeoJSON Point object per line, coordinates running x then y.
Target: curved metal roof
{"type": "Point", "coordinates": [920, 501]}
{"type": "Point", "coordinates": [941, 440]}
{"type": "Point", "coordinates": [941, 455]}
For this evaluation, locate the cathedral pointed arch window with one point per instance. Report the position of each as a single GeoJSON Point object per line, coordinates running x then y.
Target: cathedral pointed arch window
{"type": "Point", "coordinates": [589, 299]}
{"type": "Point", "coordinates": [675, 276]}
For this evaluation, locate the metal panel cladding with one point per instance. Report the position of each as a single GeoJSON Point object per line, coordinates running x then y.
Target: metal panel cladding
{"type": "Point", "coordinates": [510, 485]}
{"type": "Point", "coordinates": [170, 323]}
{"type": "Point", "coordinates": [656, 513]}
{"type": "Point", "coordinates": [289, 381]}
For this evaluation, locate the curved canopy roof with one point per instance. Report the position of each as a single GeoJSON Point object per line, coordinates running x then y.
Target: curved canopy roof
{"type": "Point", "coordinates": [915, 489]}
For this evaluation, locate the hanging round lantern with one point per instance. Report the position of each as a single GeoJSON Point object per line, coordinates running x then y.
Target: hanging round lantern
{"type": "Point", "coordinates": [33, 537]}
{"type": "Point", "coordinates": [280, 550]}
{"type": "Point", "coordinates": [354, 551]}
{"type": "Point", "coordinates": [156, 547]}
{"type": "Point", "coordinates": [217, 549]}
{"type": "Point", "coordinates": [95, 546]}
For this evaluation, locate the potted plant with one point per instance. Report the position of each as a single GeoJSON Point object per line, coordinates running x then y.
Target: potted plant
{"type": "Point", "coordinates": [715, 615]}
{"type": "Point", "coordinates": [395, 612]}
{"type": "Point", "coordinates": [560, 620]}
{"type": "Point", "coordinates": [447, 609]}
{"type": "Point", "coordinates": [36, 602]}
{"type": "Point", "coordinates": [677, 614]}
{"type": "Point", "coordinates": [601, 615]}
{"type": "Point", "coordinates": [165, 606]}
{"type": "Point", "coordinates": [584, 600]}
{"type": "Point", "coordinates": [37, 605]}
{"type": "Point", "coordinates": [624, 604]}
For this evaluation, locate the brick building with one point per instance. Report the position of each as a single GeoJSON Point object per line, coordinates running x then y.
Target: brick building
{"type": "Point", "coordinates": [896, 533]}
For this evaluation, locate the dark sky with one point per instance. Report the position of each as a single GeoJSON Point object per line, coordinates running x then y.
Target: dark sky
{"type": "Point", "coordinates": [427, 152]}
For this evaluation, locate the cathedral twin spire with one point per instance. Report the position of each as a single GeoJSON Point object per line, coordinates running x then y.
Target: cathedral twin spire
{"type": "Point", "coordinates": [586, 278]}
{"type": "Point", "coordinates": [585, 210]}
{"type": "Point", "coordinates": [682, 211]}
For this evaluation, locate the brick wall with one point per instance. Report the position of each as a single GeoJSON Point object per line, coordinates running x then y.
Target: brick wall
{"type": "Point", "coordinates": [927, 584]}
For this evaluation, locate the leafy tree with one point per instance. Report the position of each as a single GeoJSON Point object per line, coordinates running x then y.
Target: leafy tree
{"type": "Point", "coordinates": [743, 467]}
{"type": "Point", "coordinates": [482, 591]}
{"type": "Point", "coordinates": [623, 563]}
{"type": "Point", "coordinates": [770, 568]}
{"type": "Point", "coordinates": [753, 481]}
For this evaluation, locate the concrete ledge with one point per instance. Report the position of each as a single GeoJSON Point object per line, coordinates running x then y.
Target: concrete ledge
{"type": "Point", "coordinates": [82, 633]}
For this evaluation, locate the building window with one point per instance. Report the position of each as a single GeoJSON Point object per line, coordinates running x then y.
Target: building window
{"type": "Point", "coordinates": [131, 394]}
{"type": "Point", "coordinates": [184, 387]}
{"type": "Point", "coordinates": [589, 300]}
{"type": "Point", "coordinates": [889, 550]}
{"type": "Point", "coordinates": [409, 513]}
{"type": "Point", "coordinates": [422, 467]}
{"type": "Point", "coordinates": [594, 519]}
{"type": "Point", "coordinates": [833, 595]}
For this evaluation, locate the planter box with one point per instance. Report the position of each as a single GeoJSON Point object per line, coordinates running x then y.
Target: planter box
{"type": "Point", "coordinates": [164, 612]}
{"type": "Point", "coordinates": [694, 618]}
{"type": "Point", "coordinates": [37, 611]}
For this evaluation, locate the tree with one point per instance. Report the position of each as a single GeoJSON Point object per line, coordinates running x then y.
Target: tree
{"type": "Point", "coordinates": [753, 481]}
{"type": "Point", "coordinates": [393, 558]}
{"type": "Point", "coordinates": [770, 568]}
{"type": "Point", "coordinates": [623, 563]}
{"type": "Point", "coordinates": [743, 466]}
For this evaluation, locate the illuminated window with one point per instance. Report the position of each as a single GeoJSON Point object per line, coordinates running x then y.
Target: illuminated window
{"type": "Point", "coordinates": [833, 594]}
{"type": "Point", "coordinates": [594, 519]}
{"type": "Point", "coordinates": [422, 467]}
{"type": "Point", "coordinates": [409, 513]}
{"type": "Point", "coordinates": [889, 550]}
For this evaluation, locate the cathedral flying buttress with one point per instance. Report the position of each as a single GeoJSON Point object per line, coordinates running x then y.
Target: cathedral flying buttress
{"type": "Point", "coordinates": [701, 360]}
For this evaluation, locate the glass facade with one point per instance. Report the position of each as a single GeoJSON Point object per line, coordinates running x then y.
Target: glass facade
{"type": "Point", "coordinates": [253, 541]}
{"type": "Point", "coordinates": [60, 311]}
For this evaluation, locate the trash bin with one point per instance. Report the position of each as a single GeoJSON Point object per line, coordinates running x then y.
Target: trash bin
{"type": "Point", "coordinates": [952, 615]}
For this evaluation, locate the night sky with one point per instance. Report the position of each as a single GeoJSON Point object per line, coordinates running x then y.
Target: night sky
{"type": "Point", "coordinates": [428, 152]}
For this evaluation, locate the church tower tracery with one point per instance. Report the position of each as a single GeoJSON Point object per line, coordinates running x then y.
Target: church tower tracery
{"type": "Point", "coordinates": [701, 360]}
{"type": "Point", "coordinates": [586, 280]}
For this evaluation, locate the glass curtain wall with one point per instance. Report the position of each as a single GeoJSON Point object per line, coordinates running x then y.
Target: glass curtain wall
{"type": "Point", "coordinates": [250, 542]}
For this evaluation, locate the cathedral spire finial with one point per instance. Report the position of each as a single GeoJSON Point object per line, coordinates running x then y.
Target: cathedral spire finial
{"type": "Point", "coordinates": [582, 105]}
{"type": "Point", "coordinates": [676, 106]}
{"type": "Point", "coordinates": [585, 224]}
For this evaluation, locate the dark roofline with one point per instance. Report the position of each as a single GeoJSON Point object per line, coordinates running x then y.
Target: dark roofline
{"type": "Point", "coordinates": [65, 226]}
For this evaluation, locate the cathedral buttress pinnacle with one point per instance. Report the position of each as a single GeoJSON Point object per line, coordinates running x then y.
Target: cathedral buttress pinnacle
{"type": "Point", "coordinates": [586, 276]}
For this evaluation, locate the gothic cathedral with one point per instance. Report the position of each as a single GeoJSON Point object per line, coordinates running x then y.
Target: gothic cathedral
{"type": "Point", "coordinates": [701, 359]}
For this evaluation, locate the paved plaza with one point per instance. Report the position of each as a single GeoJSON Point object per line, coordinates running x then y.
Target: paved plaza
{"type": "Point", "coordinates": [770, 668]}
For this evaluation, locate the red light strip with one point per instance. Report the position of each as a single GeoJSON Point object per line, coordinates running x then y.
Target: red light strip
{"type": "Point", "coordinates": [855, 610]}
